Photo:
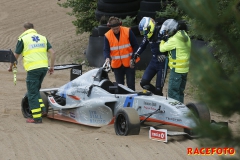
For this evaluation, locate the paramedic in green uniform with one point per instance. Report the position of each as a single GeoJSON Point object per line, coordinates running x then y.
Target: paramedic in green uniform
{"type": "Point", "coordinates": [178, 46]}
{"type": "Point", "coordinates": [34, 48]}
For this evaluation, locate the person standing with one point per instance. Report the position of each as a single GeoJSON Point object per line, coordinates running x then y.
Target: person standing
{"type": "Point", "coordinates": [178, 46]}
{"type": "Point", "coordinates": [119, 45]}
{"type": "Point", "coordinates": [34, 48]}
{"type": "Point", "coordinates": [156, 66]}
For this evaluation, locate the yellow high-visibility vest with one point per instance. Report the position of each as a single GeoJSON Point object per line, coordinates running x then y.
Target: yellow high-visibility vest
{"type": "Point", "coordinates": [179, 48]}
{"type": "Point", "coordinates": [34, 51]}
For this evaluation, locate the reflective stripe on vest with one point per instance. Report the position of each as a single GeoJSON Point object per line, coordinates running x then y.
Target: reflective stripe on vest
{"type": "Point", "coordinates": [178, 63]}
{"type": "Point", "coordinates": [34, 51]}
{"type": "Point", "coordinates": [120, 47]}
{"type": "Point", "coordinates": [120, 51]}
{"type": "Point", "coordinates": [121, 57]}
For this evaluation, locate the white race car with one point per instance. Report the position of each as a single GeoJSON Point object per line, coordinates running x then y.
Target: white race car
{"type": "Point", "coordinates": [92, 99]}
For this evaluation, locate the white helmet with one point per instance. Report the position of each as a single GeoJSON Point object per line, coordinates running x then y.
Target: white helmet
{"type": "Point", "coordinates": [170, 26]}
{"type": "Point", "coordinates": [106, 67]}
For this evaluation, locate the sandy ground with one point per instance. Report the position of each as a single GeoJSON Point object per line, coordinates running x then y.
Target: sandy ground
{"type": "Point", "coordinates": [56, 139]}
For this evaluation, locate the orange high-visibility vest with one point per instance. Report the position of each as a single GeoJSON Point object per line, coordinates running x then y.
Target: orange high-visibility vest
{"type": "Point", "coordinates": [120, 51]}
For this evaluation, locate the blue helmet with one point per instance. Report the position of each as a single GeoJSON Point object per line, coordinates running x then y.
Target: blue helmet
{"type": "Point", "coordinates": [146, 27]}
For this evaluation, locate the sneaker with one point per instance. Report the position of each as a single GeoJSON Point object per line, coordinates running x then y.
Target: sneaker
{"type": "Point", "coordinates": [31, 120]}
{"type": "Point", "coordinates": [44, 114]}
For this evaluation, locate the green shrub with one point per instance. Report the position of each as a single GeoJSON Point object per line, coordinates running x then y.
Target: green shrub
{"type": "Point", "coordinates": [84, 11]}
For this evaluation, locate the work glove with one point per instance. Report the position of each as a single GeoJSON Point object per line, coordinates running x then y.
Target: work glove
{"type": "Point", "coordinates": [133, 60]}
{"type": "Point", "coordinates": [161, 58]}
{"type": "Point", "coordinates": [165, 38]}
{"type": "Point", "coordinates": [132, 63]}
{"type": "Point", "coordinates": [163, 32]}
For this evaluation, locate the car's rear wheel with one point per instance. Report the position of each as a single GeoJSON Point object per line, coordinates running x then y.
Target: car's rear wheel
{"type": "Point", "coordinates": [26, 111]}
{"type": "Point", "coordinates": [45, 101]}
{"type": "Point", "coordinates": [201, 112]}
{"type": "Point", "coordinates": [127, 122]}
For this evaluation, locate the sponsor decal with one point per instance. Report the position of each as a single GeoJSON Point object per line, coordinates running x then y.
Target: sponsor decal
{"type": "Point", "coordinates": [147, 103]}
{"type": "Point", "coordinates": [71, 114]}
{"type": "Point", "coordinates": [80, 90]}
{"type": "Point", "coordinates": [150, 104]}
{"type": "Point", "coordinates": [211, 151]}
{"type": "Point", "coordinates": [150, 108]}
{"type": "Point", "coordinates": [174, 119]}
{"type": "Point", "coordinates": [175, 103]}
{"type": "Point", "coordinates": [52, 100]}
{"type": "Point", "coordinates": [179, 107]}
{"type": "Point", "coordinates": [158, 134]}
{"type": "Point", "coordinates": [76, 71]}
{"type": "Point", "coordinates": [129, 101]}
{"type": "Point", "coordinates": [96, 118]}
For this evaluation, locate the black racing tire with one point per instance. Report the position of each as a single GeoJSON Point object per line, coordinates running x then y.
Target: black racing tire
{"type": "Point", "coordinates": [150, 6]}
{"type": "Point", "coordinates": [45, 100]}
{"type": "Point", "coordinates": [102, 29]}
{"type": "Point", "coordinates": [152, 0]}
{"type": "Point", "coordinates": [94, 32]}
{"type": "Point", "coordinates": [26, 111]}
{"type": "Point", "coordinates": [201, 112]}
{"type": "Point", "coordinates": [117, 1]}
{"type": "Point", "coordinates": [118, 7]}
{"type": "Point", "coordinates": [142, 14]}
{"type": "Point", "coordinates": [156, 0]}
{"type": "Point", "coordinates": [127, 122]}
{"type": "Point", "coordinates": [94, 52]}
{"type": "Point", "coordinates": [99, 14]}
{"type": "Point", "coordinates": [135, 30]}
{"type": "Point", "coordinates": [160, 20]}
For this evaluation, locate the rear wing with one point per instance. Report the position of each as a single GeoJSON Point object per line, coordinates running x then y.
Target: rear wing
{"type": "Point", "coordinates": [76, 69]}
{"type": "Point", "coordinates": [7, 56]}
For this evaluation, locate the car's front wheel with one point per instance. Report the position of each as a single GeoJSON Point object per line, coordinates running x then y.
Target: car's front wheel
{"type": "Point", "coordinates": [127, 122]}
{"type": "Point", "coordinates": [201, 112]}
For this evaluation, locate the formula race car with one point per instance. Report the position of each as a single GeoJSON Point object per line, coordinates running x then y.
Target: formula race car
{"type": "Point", "coordinates": [92, 99]}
